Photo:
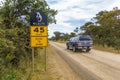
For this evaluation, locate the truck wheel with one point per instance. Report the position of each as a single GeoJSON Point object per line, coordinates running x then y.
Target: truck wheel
{"type": "Point", "coordinates": [74, 49]}
{"type": "Point", "coordinates": [67, 47]}
{"type": "Point", "coordinates": [87, 50]}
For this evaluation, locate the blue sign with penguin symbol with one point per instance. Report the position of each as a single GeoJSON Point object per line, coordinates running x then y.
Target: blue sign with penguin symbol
{"type": "Point", "coordinates": [38, 18]}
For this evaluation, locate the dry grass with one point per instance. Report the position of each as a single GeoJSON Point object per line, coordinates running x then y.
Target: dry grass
{"type": "Point", "coordinates": [109, 49]}
{"type": "Point", "coordinates": [39, 68]}
{"type": "Point", "coordinates": [40, 73]}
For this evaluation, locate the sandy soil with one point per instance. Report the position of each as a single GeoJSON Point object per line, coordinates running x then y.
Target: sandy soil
{"type": "Point", "coordinates": [95, 65]}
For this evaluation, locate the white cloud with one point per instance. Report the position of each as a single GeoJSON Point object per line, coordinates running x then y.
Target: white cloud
{"type": "Point", "coordinates": [77, 10]}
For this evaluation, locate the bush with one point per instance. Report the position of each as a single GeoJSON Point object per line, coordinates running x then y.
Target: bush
{"type": "Point", "coordinates": [117, 44]}
{"type": "Point", "coordinates": [14, 46]}
{"type": "Point", "coordinates": [8, 75]}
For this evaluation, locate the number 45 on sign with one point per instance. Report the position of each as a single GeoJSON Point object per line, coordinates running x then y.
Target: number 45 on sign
{"type": "Point", "coordinates": [39, 31]}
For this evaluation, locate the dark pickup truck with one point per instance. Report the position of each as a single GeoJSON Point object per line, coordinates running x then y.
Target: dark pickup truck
{"type": "Point", "coordinates": [82, 43]}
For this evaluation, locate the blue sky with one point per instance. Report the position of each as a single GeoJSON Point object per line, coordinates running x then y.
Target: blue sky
{"type": "Point", "coordinates": [74, 13]}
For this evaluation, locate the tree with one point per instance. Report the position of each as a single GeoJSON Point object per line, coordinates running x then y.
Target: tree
{"type": "Point", "coordinates": [12, 10]}
{"type": "Point", "coordinates": [87, 28]}
{"type": "Point", "coordinates": [57, 35]}
{"type": "Point", "coordinates": [107, 32]}
{"type": "Point", "coordinates": [109, 21]}
{"type": "Point", "coordinates": [72, 34]}
{"type": "Point", "coordinates": [15, 42]}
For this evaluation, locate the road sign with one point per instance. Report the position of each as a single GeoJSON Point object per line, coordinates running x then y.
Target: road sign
{"type": "Point", "coordinates": [39, 41]}
{"type": "Point", "coordinates": [40, 31]}
{"type": "Point", "coordinates": [38, 18]}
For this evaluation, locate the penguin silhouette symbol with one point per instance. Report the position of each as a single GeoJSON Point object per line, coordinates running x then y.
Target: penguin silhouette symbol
{"type": "Point", "coordinates": [38, 17]}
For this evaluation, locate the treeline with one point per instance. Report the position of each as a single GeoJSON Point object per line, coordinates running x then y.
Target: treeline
{"type": "Point", "coordinates": [62, 36]}
{"type": "Point", "coordinates": [104, 29]}
{"type": "Point", "coordinates": [15, 36]}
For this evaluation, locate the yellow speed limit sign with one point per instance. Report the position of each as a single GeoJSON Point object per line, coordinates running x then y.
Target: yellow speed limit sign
{"type": "Point", "coordinates": [40, 31]}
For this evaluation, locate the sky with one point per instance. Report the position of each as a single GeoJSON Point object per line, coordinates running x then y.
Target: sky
{"type": "Point", "coordinates": [75, 13]}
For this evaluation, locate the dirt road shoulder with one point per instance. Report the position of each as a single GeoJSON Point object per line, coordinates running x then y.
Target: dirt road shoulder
{"type": "Point", "coordinates": [58, 69]}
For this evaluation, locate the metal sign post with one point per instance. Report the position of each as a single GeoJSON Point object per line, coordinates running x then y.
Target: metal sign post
{"type": "Point", "coordinates": [38, 32]}
{"type": "Point", "coordinates": [33, 59]}
{"type": "Point", "coordinates": [45, 60]}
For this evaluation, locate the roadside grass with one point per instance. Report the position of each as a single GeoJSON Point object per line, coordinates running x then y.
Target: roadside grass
{"type": "Point", "coordinates": [39, 67]}
{"type": "Point", "coordinates": [106, 48]}
{"type": "Point", "coordinates": [60, 41]}
{"type": "Point", "coordinates": [25, 71]}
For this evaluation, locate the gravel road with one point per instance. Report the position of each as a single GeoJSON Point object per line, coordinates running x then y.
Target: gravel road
{"type": "Point", "coordinates": [95, 65]}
